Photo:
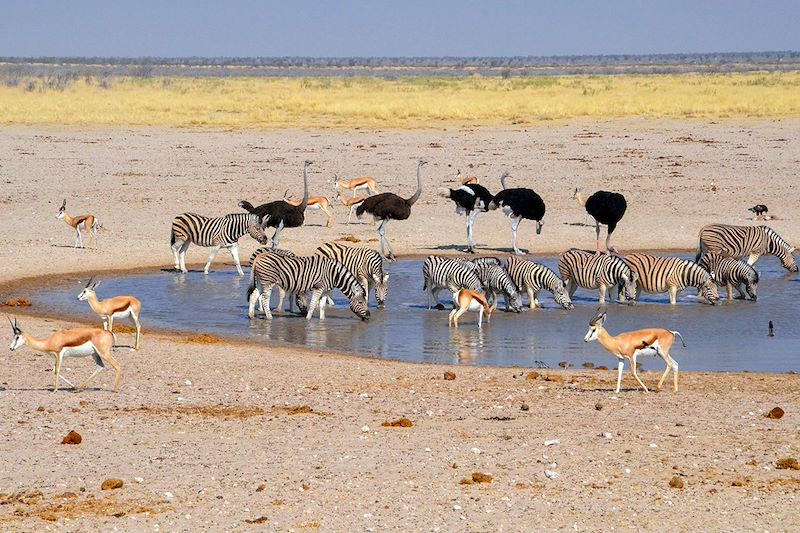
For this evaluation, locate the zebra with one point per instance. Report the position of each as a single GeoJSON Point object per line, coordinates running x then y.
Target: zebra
{"type": "Point", "coordinates": [446, 273]}
{"type": "Point", "coordinates": [582, 268]}
{"type": "Point", "coordinates": [495, 279]}
{"type": "Point", "coordinates": [533, 277]}
{"type": "Point", "coordinates": [277, 252]}
{"type": "Point", "coordinates": [365, 263]}
{"type": "Point", "coordinates": [732, 273]}
{"type": "Point", "coordinates": [316, 274]}
{"type": "Point", "coordinates": [741, 241]}
{"type": "Point", "coordinates": [671, 274]}
{"type": "Point", "coordinates": [216, 233]}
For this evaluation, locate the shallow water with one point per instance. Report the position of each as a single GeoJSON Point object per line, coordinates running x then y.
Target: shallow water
{"type": "Point", "coordinates": [730, 336]}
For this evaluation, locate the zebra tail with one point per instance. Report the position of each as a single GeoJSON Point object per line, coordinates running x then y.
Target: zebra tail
{"type": "Point", "coordinates": [678, 334]}
{"type": "Point", "coordinates": [172, 237]}
{"type": "Point", "coordinates": [251, 286]}
{"type": "Point", "coordinates": [699, 250]}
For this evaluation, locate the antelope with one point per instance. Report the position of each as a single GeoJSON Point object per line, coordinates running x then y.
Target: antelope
{"type": "Point", "coordinates": [468, 300]}
{"type": "Point", "coordinates": [77, 342]}
{"type": "Point", "coordinates": [352, 203]}
{"type": "Point", "coordinates": [319, 203]}
{"type": "Point", "coordinates": [364, 182]}
{"type": "Point", "coordinates": [111, 308]}
{"type": "Point", "coordinates": [632, 344]}
{"type": "Point", "coordinates": [89, 223]}
{"type": "Point", "coordinates": [467, 180]}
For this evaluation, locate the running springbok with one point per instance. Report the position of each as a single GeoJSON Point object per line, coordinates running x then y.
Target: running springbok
{"type": "Point", "coordinates": [467, 180]}
{"type": "Point", "coordinates": [111, 308]}
{"type": "Point", "coordinates": [88, 222]}
{"type": "Point", "coordinates": [630, 345]}
{"type": "Point", "coordinates": [352, 204]}
{"type": "Point", "coordinates": [318, 203]}
{"type": "Point", "coordinates": [77, 342]}
{"type": "Point", "coordinates": [365, 182]}
{"type": "Point", "coordinates": [468, 300]}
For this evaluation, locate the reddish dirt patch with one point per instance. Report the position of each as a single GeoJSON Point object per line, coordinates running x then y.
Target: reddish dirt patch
{"type": "Point", "coordinates": [449, 376]}
{"type": "Point", "coordinates": [399, 423]}
{"type": "Point", "coordinates": [17, 302]}
{"type": "Point", "coordinates": [209, 411]}
{"type": "Point", "coordinates": [204, 338]}
{"type": "Point", "coordinates": [776, 413]}
{"type": "Point", "coordinates": [298, 410]}
{"type": "Point", "coordinates": [24, 504]}
{"type": "Point", "coordinates": [259, 520]}
{"type": "Point", "coordinates": [111, 484]}
{"type": "Point", "coordinates": [479, 477]}
{"type": "Point", "coordinates": [676, 482]}
{"type": "Point", "coordinates": [348, 238]}
{"type": "Point", "coordinates": [789, 463]}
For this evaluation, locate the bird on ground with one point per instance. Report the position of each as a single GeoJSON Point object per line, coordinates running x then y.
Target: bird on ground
{"type": "Point", "coordinates": [470, 200]}
{"type": "Point", "coordinates": [281, 214]}
{"type": "Point", "coordinates": [605, 208]}
{"type": "Point", "coordinates": [517, 204]}
{"type": "Point", "coordinates": [389, 206]}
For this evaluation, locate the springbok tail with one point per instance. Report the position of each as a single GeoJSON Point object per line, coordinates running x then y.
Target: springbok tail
{"type": "Point", "coordinates": [678, 334]}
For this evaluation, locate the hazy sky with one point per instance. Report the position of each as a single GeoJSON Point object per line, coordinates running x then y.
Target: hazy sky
{"type": "Point", "coordinates": [393, 28]}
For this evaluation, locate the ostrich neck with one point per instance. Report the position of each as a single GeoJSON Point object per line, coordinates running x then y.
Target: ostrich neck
{"type": "Point", "coordinates": [419, 187]}
{"type": "Point", "coordinates": [304, 203]}
{"type": "Point", "coordinates": [581, 198]}
{"type": "Point", "coordinates": [503, 181]}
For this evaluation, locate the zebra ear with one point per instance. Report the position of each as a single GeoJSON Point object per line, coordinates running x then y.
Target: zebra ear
{"type": "Point", "coordinates": [792, 249]}
{"type": "Point", "coordinates": [385, 278]}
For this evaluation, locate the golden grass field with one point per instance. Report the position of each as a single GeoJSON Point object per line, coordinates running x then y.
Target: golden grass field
{"type": "Point", "coordinates": [324, 102]}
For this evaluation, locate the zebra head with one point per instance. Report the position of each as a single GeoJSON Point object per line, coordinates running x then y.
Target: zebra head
{"type": "Point", "coordinates": [358, 305]}
{"type": "Point", "coordinates": [514, 302]}
{"type": "Point", "coordinates": [781, 249]}
{"type": "Point", "coordinates": [561, 296]}
{"type": "Point", "coordinates": [751, 285]}
{"type": "Point", "coordinates": [708, 288]}
{"type": "Point", "coordinates": [787, 259]}
{"type": "Point", "coordinates": [381, 288]}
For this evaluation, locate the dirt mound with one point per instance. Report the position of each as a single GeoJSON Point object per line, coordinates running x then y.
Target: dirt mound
{"type": "Point", "coordinates": [17, 302]}
{"type": "Point", "coordinates": [208, 411]}
{"type": "Point", "coordinates": [73, 437]}
{"type": "Point", "coordinates": [399, 423]}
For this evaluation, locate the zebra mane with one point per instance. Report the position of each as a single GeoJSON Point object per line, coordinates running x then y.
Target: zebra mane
{"type": "Point", "coordinates": [349, 280]}
{"type": "Point", "coordinates": [774, 238]}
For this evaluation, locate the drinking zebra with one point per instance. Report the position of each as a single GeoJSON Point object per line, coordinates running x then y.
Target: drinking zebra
{"type": "Point", "coordinates": [299, 275]}
{"type": "Point", "coordinates": [446, 273]}
{"type": "Point", "coordinates": [216, 233]}
{"type": "Point", "coordinates": [293, 298]}
{"type": "Point", "coordinates": [672, 275]}
{"type": "Point", "coordinates": [582, 268]}
{"type": "Point", "coordinates": [745, 241]}
{"type": "Point", "coordinates": [532, 277]}
{"type": "Point", "coordinates": [732, 273]}
{"type": "Point", "coordinates": [365, 263]}
{"type": "Point", "coordinates": [495, 280]}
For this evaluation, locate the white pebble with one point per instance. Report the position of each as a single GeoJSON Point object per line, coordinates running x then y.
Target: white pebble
{"type": "Point", "coordinates": [363, 395]}
{"type": "Point", "coordinates": [476, 450]}
{"type": "Point", "coordinates": [653, 445]}
{"type": "Point", "coordinates": [607, 435]}
{"type": "Point", "coordinates": [456, 507]}
{"type": "Point", "coordinates": [551, 474]}
{"type": "Point", "coordinates": [139, 479]}
{"type": "Point", "coordinates": [168, 495]}
{"type": "Point", "coordinates": [627, 470]}
{"type": "Point", "coordinates": [365, 429]}
{"type": "Point", "coordinates": [187, 382]}
{"type": "Point", "coordinates": [552, 442]}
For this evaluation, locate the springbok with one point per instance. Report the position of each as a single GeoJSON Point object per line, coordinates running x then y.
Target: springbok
{"type": "Point", "coordinates": [77, 342]}
{"type": "Point", "coordinates": [88, 222]}
{"type": "Point", "coordinates": [467, 180]}
{"type": "Point", "coordinates": [364, 182]}
{"type": "Point", "coordinates": [632, 344]}
{"type": "Point", "coordinates": [352, 204]}
{"type": "Point", "coordinates": [318, 203]}
{"type": "Point", "coordinates": [111, 308]}
{"type": "Point", "coordinates": [468, 300]}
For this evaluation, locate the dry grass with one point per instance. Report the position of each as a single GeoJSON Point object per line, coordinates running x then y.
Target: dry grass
{"type": "Point", "coordinates": [401, 103]}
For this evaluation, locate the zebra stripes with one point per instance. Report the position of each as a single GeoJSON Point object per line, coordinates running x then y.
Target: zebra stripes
{"type": "Point", "coordinates": [216, 233]}
{"type": "Point", "coordinates": [445, 273]}
{"type": "Point", "coordinates": [365, 263]}
{"type": "Point", "coordinates": [745, 241]}
{"type": "Point", "coordinates": [316, 274]}
{"type": "Point", "coordinates": [533, 277]}
{"type": "Point", "coordinates": [495, 279]}
{"type": "Point", "coordinates": [672, 275]}
{"type": "Point", "coordinates": [732, 273]}
{"type": "Point", "coordinates": [582, 268]}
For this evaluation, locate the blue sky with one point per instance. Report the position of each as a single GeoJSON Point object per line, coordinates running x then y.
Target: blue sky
{"type": "Point", "coordinates": [398, 28]}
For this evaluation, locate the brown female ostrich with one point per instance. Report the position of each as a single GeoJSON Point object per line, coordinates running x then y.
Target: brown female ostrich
{"type": "Point", "coordinates": [388, 206]}
{"type": "Point", "coordinates": [281, 214]}
{"type": "Point", "coordinates": [605, 208]}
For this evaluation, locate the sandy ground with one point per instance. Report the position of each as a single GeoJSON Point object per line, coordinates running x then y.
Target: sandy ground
{"type": "Point", "coordinates": [224, 436]}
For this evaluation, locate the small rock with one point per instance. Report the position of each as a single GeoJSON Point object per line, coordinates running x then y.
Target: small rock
{"type": "Point", "coordinates": [601, 367]}
{"type": "Point", "coordinates": [168, 495]}
{"type": "Point", "coordinates": [111, 484]}
{"type": "Point", "coordinates": [73, 437]}
{"type": "Point", "coordinates": [551, 474]}
{"type": "Point", "coordinates": [676, 482]}
{"type": "Point", "coordinates": [588, 365]}
{"type": "Point", "coordinates": [532, 375]}
{"type": "Point", "coordinates": [465, 481]}
{"type": "Point", "coordinates": [564, 364]}
{"type": "Point", "coordinates": [776, 413]}
{"type": "Point", "coordinates": [479, 477]}
{"type": "Point", "coordinates": [365, 429]}
{"type": "Point", "coordinates": [261, 487]}
{"type": "Point", "coordinates": [598, 406]}
{"type": "Point", "coordinates": [399, 423]}
{"type": "Point", "coordinates": [789, 463]}
{"type": "Point", "coordinates": [607, 435]}
{"type": "Point", "coordinates": [139, 479]}
{"type": "Point", "coordinates": [525, 407]}
{"type": "Point", "coordinates": [449, 376]}
{"type": "Point", "coordinates": [554, 378]}
{"type": "Point", "coordinates": [739, 482]}
{"type": "Point", "coordinates": [40, 408]}
{"type": "Point", "coordinates": [552, 442]}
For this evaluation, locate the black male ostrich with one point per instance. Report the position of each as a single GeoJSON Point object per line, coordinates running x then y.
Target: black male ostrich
{"type": "Point", "coordinates": [388, 206]}
{"type": "Point", "coordinates": [470, 199]}
{"type": "Point", "coordinates": [281, 214]}
{"type": "Point", "coordinates": [605, 208]}
{"type": "Point", "coordinates": [518, 204]}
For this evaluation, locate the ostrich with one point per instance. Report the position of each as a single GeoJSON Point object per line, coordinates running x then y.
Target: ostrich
{"type": "Point", "coordinates": [605, 208]}
{"type": "Point", "coordinates": [281, 214]}
{"type": "Point", "coordinates": [518, 204]}
{"type": "Point", "coordinates": [470, 199]}
{"type": "Point", "coordinates": [388, 206]}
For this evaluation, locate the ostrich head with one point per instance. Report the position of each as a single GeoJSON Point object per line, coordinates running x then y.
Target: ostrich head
{"type": "Point", "coordinates": [503, 177]}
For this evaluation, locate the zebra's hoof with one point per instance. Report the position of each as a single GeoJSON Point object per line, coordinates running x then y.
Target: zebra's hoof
{"type": "Point", "coordinates": [439, 307]}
